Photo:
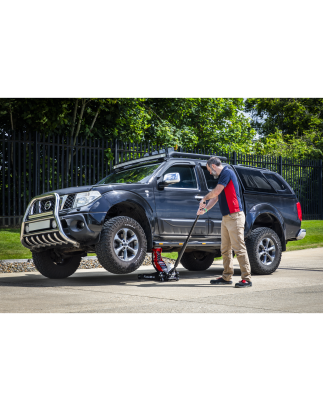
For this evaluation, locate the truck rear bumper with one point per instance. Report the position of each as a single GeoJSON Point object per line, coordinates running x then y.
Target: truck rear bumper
{"type": "Point", "coordinates": [301, 234]}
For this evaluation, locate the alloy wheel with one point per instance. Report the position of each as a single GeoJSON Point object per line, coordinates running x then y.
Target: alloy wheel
{"type": "Point", "coordinates": [267, 251]}
{"type": "Point", "coordinates": [126, 244]}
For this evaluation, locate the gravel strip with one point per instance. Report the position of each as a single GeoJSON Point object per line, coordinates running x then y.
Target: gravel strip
{"type": "Point", "coordinates": [16, 266]}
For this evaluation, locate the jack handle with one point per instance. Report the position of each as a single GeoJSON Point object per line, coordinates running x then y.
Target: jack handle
{"type": "Point", "coordinates": [180, 255]}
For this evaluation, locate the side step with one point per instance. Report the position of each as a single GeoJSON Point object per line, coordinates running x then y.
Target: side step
{"type": "Point", "coordinates": [190, 244]}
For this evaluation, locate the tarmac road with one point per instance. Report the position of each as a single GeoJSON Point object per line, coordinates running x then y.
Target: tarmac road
{"type": "Point", "coordinates": [297, 287]}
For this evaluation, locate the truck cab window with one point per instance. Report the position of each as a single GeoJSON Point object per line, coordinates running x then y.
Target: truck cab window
{"type": "Point", "coordinates": [187, 175]}
{"type": "Point", "coordinates": [211, 182]}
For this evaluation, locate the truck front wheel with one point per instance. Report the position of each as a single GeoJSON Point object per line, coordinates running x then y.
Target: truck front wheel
{"type": "Point", "coordinates": [264, 250]}
{"type": "Point", "coordinates": [123, 246]}
{"type": "Point", "coordinates": [52, 266]}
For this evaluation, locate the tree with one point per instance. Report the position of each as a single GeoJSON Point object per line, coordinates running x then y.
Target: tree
{"type": "Point", "coordinates": [296, 124]}
{"type": "Point", "coordinates": [213, 123]}
{"type": "Point", "coordinates": [299, 148]}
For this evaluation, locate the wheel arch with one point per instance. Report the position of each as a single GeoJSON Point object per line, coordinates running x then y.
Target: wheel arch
{"type": "Point", "coordinates": [265, 215]}
{"type": "Point", "coordinates": [136, 211]}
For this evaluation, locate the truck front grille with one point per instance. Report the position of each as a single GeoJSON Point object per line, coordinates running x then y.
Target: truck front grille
{"type": "Point", "coordinates": [40, 207]}
{"type": "Point", "coordinates": [69, 201]}
{"type": "Point", "coordinates": [47, 205]}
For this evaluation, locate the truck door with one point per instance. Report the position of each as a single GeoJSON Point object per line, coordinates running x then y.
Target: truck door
{"type": "Point", "coordinates": [213, 216]}
{"type": "Point", "coordinates": [177, 204]}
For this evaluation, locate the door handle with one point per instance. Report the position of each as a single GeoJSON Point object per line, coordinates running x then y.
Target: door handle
{"type": "Point", "coordinates": [199, 197]}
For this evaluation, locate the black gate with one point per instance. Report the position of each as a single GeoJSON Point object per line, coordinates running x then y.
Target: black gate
{"type": "Point", "coordinates": [33, 163]}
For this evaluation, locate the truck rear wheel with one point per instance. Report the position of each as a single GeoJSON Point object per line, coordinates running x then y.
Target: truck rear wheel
{"type": "Point", "coordinates": [54, 267]}
{"type": "Point", "coordinates": [197, 260]}
{"type": "Point", "coordinates": [122, 247]}
{"type": "Point", "coordinates": [264, 250]}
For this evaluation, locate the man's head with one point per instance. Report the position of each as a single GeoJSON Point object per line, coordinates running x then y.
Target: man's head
{"type": "Point", "coordinates": [214, 166]}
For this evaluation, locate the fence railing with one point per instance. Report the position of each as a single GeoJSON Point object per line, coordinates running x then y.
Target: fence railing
{"type": "Point", "coordinates": [33, 163]}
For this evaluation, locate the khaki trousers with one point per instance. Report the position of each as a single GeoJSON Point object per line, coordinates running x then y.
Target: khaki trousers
{"type": "Point", "coordinates": [232, 237]}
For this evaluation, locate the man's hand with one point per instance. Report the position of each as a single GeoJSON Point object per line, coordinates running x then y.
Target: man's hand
{"type": "Point", "coordinates": [203, 207]}
{"type": "Point", "coordinates": [200, 211]}
{"type": "Point", "coordinates": [202, 203]}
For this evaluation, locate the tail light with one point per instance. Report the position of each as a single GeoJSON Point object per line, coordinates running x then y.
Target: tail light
{"type": "Point", "coordinates": [299, 210]}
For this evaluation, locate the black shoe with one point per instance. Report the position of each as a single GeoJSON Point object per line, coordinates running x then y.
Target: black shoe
{"type": "Point", "coordinates": [220, 281]}
{"type": "Point", "coordinates": [243, 283]}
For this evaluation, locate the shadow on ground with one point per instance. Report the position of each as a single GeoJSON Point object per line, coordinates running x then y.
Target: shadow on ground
{"type": "Point", "coordinates": [93, 280]}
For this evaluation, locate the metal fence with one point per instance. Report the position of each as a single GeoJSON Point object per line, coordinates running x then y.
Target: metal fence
{"type": "Point", "coordinates": [33, 163]}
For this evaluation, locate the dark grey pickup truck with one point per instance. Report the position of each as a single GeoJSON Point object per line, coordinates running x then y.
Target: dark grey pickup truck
{"type": "Point", "coordinates": [152, 202]}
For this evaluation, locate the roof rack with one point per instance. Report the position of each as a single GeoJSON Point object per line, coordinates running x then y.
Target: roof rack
{"type": "Point", "coordinates": [140, 160]}
{"type": "Point", "coordinates": [166, 153]}
{"type": "Point", "coordinates": [194, 155]}
{"type": "Point", "coordinates": [258, 168]}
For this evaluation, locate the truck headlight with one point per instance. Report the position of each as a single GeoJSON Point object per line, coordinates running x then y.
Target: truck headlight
{"type": "Point", "coordinates": [83, 199]}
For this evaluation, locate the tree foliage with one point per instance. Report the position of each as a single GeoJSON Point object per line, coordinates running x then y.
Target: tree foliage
{"type": "Point", "coordinates": [288, 126]}
{"type": "Point", "coordinates": [204, 123]}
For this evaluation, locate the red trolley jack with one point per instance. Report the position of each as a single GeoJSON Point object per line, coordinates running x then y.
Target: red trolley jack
{"type": "Point", "coordinates": [165, 271]}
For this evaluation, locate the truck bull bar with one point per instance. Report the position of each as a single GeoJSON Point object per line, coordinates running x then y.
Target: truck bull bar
{"type": "Point", "coordinates": [51, 237]}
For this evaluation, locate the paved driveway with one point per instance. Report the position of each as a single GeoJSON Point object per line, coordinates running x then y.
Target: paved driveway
{"type": "Point", "coordinates": [297, 286]}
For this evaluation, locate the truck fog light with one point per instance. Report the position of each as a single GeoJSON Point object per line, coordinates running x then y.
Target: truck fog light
{"type": "Point", "coordinates": [80, 224]}
{"type": "Point", "coordinates": [27, 228]}
{"type": "Point", "coordinates": [54, 225]}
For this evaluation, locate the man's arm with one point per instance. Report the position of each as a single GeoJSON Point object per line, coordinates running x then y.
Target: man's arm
{"type": "Point", "coordinates": [212, 194]}
{"type": "Point", "coordinates": [210, 204]}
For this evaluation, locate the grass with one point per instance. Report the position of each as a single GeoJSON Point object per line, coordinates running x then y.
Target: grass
{"type": "Point", "coordinates": [313, 239]}
{"type": "Point", "coordinates": [10, 246]}
{"type": "Point", "coordinates": [175, 255]}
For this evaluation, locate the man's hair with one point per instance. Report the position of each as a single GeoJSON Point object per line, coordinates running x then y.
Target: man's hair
{"type": "Point", "coordinates": [214, 160]}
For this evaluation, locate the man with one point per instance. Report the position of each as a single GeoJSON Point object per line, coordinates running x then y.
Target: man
{"type": "Point", "coordinates": [233, 221]}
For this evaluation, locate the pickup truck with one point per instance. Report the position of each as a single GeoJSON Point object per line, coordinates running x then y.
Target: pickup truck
{"type": "Point", "coordinates": [152, 202]}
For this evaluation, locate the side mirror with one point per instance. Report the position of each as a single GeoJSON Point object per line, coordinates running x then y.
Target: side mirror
{"type": "Point", "coordinates": [171, 178]}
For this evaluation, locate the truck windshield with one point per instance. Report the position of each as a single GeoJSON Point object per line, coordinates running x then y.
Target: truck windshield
{"type": "Point", "coordinates": [139, 175]}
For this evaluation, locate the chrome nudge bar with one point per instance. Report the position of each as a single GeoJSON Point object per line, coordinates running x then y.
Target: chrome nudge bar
{"type": "Point", "coordinates": [48, 238]}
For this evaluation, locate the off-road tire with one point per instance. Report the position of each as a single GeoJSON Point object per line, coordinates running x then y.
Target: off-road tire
{"type": "Point", "coordinates": [252, 244]}
{"type": "Point", "coordinates": [105, 248]}
{"type": "Point", "coordinates": [46, 265]}
{"type": "Point", "coordinates": [197, 260]}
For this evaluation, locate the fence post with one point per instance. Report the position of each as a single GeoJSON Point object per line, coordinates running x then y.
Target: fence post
{"type": "Point", "coordinates": [35, 165]}
{"type": "Point", "coordinates": [280, 165]}
{"type": "Point", "coordinates": [116, 154]}
{"type": "Point", "coordinates": [234, 158]}
{"type": "Point", "coordinates": [321, 189]}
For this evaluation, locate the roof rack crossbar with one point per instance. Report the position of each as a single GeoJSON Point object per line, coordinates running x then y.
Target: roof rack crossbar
{"type": "Point", "coordinates": [139, 160]}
